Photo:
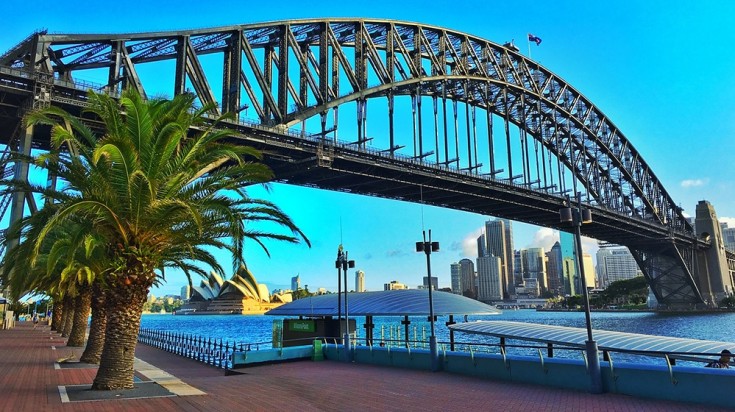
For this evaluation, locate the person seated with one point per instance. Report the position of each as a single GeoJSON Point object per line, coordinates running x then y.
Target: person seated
{"type": "Point", "coordinates": [723, 362]}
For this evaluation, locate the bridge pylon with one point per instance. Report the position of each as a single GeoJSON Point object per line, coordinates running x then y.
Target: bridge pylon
{"type": "Point", "coordinates": [714, 277]}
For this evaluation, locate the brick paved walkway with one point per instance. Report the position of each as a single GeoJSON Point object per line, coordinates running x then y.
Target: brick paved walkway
{"type": "Point", "coordinates": [29, 382]}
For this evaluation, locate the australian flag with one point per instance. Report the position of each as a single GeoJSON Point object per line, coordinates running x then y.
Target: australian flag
{"type": "Point", "coordinates": [534, 39]}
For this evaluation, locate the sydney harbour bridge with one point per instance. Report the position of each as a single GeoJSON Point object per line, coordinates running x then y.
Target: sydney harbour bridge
{"type": "Point", "coordinates": [391, 109]}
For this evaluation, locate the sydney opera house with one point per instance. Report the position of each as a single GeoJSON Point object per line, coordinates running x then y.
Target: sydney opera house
{"type": "Point", "coordinates": [242, 294]}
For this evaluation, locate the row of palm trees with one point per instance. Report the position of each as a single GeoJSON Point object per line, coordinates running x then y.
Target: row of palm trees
{"type": "Point", "coordinates": [143, 186]}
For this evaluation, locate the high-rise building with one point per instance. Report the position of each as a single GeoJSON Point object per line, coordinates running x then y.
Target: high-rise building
{"type": "Point", "coordinates": [509, 250]}
{"type": "Point", "coordinates": [434, 282]}
{"type": "Point", "coordinates": [534, 265]}
{"type": "Point", "coordinates": [455, 270]}
{"type": "Point", "coordinates": [467, 276]}
{"type": "Point", "coordinates": [728, 236]}
{"type": "Point", "coordinates": [518, 268]}
{"type": "Point", "coordinates": [296, 283]}
{"type": "Point", "coordinates": [589, 271]}
{"type": "Point", "coordinates": [554, 269]}
{"type": "Point", "coordinates": [481, 246]}
{"type": "Point", "coordinates": [489, 280]}
{"type": "Point", "coordinates": [394, 285]}
{"type": "Point", "coordinates": [615, 264]}
{"type": "Point", "coordinates": [359, 281]}
{"type": "Point", "coordinates": [185, 292]}
{"type": "Point", "coordinates": [568, 275]}
{"type": "Point", "coordinates": [499, 237]}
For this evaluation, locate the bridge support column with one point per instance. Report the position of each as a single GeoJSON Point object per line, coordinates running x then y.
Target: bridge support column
{"type": "Point", "coordinates": [17, 205]}
{"type": "Point", "coordinates": [715, 282]}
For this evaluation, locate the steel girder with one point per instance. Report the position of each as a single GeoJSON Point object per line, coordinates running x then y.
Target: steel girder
{"type": "Point", "coordinates": [668, 271]}
{"type": "Point", "coordinates": [291, 71]}
{"type": "Point", "coordinates": [379, 58]}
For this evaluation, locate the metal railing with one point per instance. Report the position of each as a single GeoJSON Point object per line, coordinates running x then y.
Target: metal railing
{"type": "Point", "coordinates": [217, 353]}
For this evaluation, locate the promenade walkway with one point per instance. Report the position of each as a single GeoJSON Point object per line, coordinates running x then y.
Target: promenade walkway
{"type": "Point", "coordinates": [29, 381]}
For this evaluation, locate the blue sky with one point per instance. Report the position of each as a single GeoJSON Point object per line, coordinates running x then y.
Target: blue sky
{"type": "Point", "coordinates": [660, 70]}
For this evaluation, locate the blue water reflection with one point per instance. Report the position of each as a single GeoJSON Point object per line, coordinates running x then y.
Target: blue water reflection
{"type": "Point", "coordinates": [257, 329]}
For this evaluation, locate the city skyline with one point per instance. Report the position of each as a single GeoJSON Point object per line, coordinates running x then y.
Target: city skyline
{"type": "Point", "coordinates": [614, 55]}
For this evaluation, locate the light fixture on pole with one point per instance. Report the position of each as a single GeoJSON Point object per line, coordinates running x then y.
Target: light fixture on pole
{"type": "Point", "coordinates": [427, 247]}
{"type": "Point", "coordinates": [344, 263]}
{"type": "Point", "coordinates": [577, 217]}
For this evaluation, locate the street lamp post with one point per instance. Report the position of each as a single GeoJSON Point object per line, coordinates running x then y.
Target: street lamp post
{"type": "Point", "coordinates": [427, 247]}
{"type": "Point", "coordinates": [577, 217]}
{"type": "Point", "coordinates": [343, 263]}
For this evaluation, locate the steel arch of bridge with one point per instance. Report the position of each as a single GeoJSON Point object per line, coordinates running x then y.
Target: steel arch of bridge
{"type": "Point", "coordinates": [290, 72]}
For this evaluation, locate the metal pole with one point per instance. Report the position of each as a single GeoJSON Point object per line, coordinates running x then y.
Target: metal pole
{"type": "Point", "coordinates": [347, 316]}
{"type": "Point", "coordinates": [593, 358]}
{"type": "Point", "coordinates": [432, 338]}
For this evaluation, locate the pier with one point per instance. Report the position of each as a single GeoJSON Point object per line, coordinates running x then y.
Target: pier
{"type": "Point", "coordinates": [30, 381]}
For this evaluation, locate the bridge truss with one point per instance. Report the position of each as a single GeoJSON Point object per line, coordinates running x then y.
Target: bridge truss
{"type": "Point", "coordinates": [455, 121]}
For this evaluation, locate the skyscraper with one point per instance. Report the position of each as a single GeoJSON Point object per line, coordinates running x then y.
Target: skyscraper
{"type": "Point", "coordinates": [185, 292]}
{"type": "Point", "coordinates": [615, 264]}
{"type": "Point", "coordinates": [296, 283]}
{"type": "Point", "coordinates": [554, 269]}
{"type": "Point", "coordinates": [569, 265]}
{"type": "Point", "coordinates": [728, 234]}
{"type": "Point", "coordinates": [534, 265]}
{"type": "Point", "coordinates": [467, 272]}
{"type": "Point", "coordinates": [489, 281]}
{"type": "Point", "coordinates": [499, 236]}
{"type": "Point", "coordinates": [481, 246]}
{"type": "Point", "coordinates": [456, 276]}
{"type": "Point", "coordinates": [509, 250]}
{"type": "Point", "coordinates": [359, 281]}
{"type": "Point", "coordinates": [434, 282]}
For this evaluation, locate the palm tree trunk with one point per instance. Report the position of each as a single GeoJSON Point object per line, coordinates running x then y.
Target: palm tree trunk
{"type": "Point", "coordinates": [125, 306]}
{"type": "Point", "coordinates": [57, 315]}
{"type": "Point", "coordinates": [96, 341]}
{"type": "Point", "coordinates": [68, 316]}
{"type": "Point", "coordinates": [81, 313]}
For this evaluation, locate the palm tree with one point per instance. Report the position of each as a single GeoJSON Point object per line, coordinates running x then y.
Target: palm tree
{"type": "Point", "coordinates": [163, 188]}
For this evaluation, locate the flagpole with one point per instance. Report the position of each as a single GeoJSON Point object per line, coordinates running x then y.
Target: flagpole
{"type": "Point", "coordinates": [528, 41]}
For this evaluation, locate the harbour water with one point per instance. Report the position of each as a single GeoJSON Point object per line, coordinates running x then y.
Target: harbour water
{"type": "Point", "coordinates": [257, 329]}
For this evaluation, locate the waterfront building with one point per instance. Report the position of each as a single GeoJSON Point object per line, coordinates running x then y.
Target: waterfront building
{"type": "Point", "coordinates": [394, 285]}
{"type": "Point", "coordinates": [489, 279]}
{"type": "Point", "coordinates": [240, 294]}
{"type": "Point", "coordinates": [529, 289]}
{"type": "Point", "coordinates": [614, 264]}
{"type": "Point", "coordinates": [467, 276]}
{"type": "Point", "coordinates": [296, 282]}
{"type": "Point", "coordinates": [359, 281]}
{"type": "Point", "coordinates": [554, 269]}
{"type": "Point", "coordinates": [455, 270]}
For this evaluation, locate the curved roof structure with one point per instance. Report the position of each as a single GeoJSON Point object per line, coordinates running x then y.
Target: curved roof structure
{"type": "Point", "coordinates": [209, 288]}
{"type": "Point", "coordinates": [246, 285]}
{"type": "Point", "coordinates": [606, 340]}
{"type": "Point", "coordinates": [411, 302]}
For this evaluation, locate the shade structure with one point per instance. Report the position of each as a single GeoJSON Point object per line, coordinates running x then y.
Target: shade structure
{"type": "Point", "coordinates": [606, 340]}
{"type": "Point", "coordinates": [411, 302]}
